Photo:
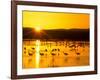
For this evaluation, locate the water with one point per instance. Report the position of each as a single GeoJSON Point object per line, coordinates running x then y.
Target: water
{"type": "Point", "coordinates": [54, 53]}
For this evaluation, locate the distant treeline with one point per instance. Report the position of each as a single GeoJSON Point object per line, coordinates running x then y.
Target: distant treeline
{"type": "Point", "coordinates": [69, 34]}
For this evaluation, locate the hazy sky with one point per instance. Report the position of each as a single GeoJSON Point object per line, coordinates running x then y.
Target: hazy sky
{"type": "Point", "coordinates": [55, 20]}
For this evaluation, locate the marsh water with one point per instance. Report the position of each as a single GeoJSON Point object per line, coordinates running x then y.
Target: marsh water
{"type": "Point", "coordinates": [54, 53]}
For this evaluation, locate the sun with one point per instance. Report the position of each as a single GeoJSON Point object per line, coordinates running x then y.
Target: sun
{"type": "Point", "coordinates": [38, 29]}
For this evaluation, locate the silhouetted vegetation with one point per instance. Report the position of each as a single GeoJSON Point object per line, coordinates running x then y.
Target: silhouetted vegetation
{"type": "Point", "coordinates": [70, 34]}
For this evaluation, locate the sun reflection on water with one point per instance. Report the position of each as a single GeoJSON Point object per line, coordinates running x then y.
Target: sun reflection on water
{"type": "Point", "coordinates": [37, 53]}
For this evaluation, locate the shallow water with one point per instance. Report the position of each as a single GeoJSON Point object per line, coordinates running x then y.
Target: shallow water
{"type": "Point", "coordinates": [44, 54]}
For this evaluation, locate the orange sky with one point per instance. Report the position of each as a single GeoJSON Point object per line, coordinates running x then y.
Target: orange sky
{"type": "Point", "coordinates": [55, 20]}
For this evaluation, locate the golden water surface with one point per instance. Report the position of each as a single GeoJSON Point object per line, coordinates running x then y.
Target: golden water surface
{"type": "Point", "coordinates": [54, 53]}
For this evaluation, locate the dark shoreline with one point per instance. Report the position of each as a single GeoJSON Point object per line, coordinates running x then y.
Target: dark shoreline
{"type": "Point", "coordinates": [57, 34]}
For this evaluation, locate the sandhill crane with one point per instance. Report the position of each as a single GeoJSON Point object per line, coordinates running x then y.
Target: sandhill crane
{"type": "Point", "coordinates": [58, 49]}
{"type": "Point", "coordinates": [78, 53]}
{"type": "Point", "coordinates": [66, 54]}
{"type": "Point", "coordinates": [24, 48]}
{"type": "Point", "coordinates": [33, 48]}
{"type": "Point", "coordinates": [30, 54]}
{"type": "Point", "coordinates": [41, 54]}
{"type": "Point", "coordinates": [53, 54]}
{"type": "Point", "coordinates": [46, 50]}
